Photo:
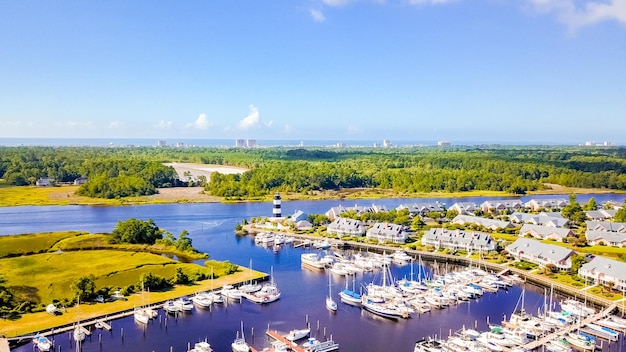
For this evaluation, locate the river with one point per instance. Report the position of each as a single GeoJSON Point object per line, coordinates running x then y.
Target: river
{"type": "Point", "coordinates": [211, 227]}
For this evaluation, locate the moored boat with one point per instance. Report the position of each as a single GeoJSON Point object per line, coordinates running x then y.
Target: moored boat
{"type": "Point", "coordinates": [297, 334]}
{"type": "Point", "coordinates": [43, 343]}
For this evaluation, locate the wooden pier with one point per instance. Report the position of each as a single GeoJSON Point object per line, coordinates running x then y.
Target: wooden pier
{"type": "Point", "coordinates": [542, 341]}
{"type": "Point", "coordinates": [278, 337]}
{"type": "Point", "coordinates": [4, 345]}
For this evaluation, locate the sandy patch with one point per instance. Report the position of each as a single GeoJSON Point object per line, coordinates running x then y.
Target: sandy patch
{"type": "Point", "coordinates": [196, 170]}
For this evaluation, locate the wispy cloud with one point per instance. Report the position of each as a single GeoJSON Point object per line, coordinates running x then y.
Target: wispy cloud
{"type": "Point", "coordinates": [577, 14]}
{"type": "Point", "coordinates": [253, 119]}
{"type": "Point", "coordinates": [201, 123]}
{"type": "Point", "coordinates": [430, 2]}
{"type": "Point", "coordinates": [116, 124]}
{"type": "Point", "coordinates": [164, 124]}
{"type": "Point", "coordinates": [317, 15]}
{"type": "Point", "coordinates": [355, 129]}
{"type": "Point", "coordinates": [337, 2]}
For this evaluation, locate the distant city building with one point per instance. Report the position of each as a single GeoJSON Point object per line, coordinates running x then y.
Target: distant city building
{"type": "Point", "coordinates": [386, 143]}
{"type": "Point", "coordinates": [180, 144]}
{"type": "Point", "coordinates": [240, 143]}
{"type": "Point", "coordinates": [340, 145]}
{"type": "Point", "coordinates": [251, 143]}
{"type": "Point", "coordinates": [161, 143]}
{"type": "Point", "coordinates": [443, 144]}
{"type": "Point", "coordinates": [245, 143]}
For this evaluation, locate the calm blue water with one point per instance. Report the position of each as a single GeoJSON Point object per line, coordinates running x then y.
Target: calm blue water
{"type": "Point", "coordinates": [211, 228]}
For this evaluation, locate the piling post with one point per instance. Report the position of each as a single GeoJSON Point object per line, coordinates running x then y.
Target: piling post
{"type": "Point", "coordinates": [324, 332]}
{"type": "Point", "coordinates": [122, 333]}
{"type": "Point", "coordinates": [475, 324]}
{"type": "Point", "coordinates": [318, 325]}
{"type": "Point", "coordinates": [306, 318]}
{"type": "Point", "coordinates": [487, 320]}
{"type": "Point", "coordinates": [188, 346]}
{"type": "Point", "coordinates": [100, 339]}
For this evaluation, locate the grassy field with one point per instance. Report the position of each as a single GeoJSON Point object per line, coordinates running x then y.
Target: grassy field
{"type": "Point", "coordinates": [32, 243]}
{"type": "Point", "coordinates": [42, 321]}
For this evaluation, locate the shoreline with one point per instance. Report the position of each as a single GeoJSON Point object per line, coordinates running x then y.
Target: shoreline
{"type": "Point", "coordinates": [65, 195]}
{"type": "Point", "coordinates": [44, 322]}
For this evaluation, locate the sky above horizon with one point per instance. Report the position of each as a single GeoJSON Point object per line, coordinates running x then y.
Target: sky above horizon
{"type": "Point", "coordinates": [531, 71]}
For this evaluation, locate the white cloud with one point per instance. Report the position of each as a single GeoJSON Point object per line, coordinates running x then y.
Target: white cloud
{"type": "Point", "coordinates": [575, 14]}
{"type": "Point", "coordinates": [429, 2]}
{"type": "Point", "coordinates": [164, 124]}
{"type": "Point", "coordinates": [355, 129]}
{"type": "Point", "coordinates": [253, 119]}
{"type": "Point", "coordinates": [336, 2]}
{"type": "Point", "coordinates": [201, 123]}
{"type": "Point", "coordinates": [116, 124]}
{"type": "Point", "coordinates": [317, 15]}
{"type": "Point", "coordinates": [288, 128]}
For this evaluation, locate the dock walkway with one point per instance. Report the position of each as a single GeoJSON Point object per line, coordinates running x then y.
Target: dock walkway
{"type": "Point", "coordinates": [4, 345]}
{"type": "Point", "coordinates": [542, 341]}
{"type": "Point", "coordinates": [278, 337]}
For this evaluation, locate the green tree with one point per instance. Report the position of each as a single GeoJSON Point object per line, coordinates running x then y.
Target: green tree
{"type": "Point", "coordinates": [451, 214]}
{"type": "Point", "coordinates": [84, 287]}
{"type": "Point", "coordinates": [417, 223]}
{"type": "Point", "coordinates": [573, 211]}
{"type": "Point", "coordinates": [591, 204]}
{"type": "Point", "coordinates": [136, 232]}
{"type": "Point", "coordinates": [184, 242]}
{"type": "Point", "coordinates": [577, 261]}
{"type": "Point", "coordinates": [620, 215]}
{"type": "Point", "coordinates": [181, 278]}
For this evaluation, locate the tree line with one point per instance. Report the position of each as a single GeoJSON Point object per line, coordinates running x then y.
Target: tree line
{"type": "Point", "coordinates": [121, 172]}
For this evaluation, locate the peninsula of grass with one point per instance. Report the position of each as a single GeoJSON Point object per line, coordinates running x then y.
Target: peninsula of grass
{"type": "Point", "coordinates": [40, 269]}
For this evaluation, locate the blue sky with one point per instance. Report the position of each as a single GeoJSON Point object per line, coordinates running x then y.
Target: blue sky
{"type": "Point", "coordinates": [532, 71]}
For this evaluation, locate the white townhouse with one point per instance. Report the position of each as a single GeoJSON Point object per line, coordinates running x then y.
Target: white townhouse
{"type": "Point", "coordinates": [464, 208]}
{"type": "Point", "coordinates": [547, 204]}
{"type": "Point", "coordinates": [600, 214]}
{"type": "Point", "coordinates": [459, 239]}
{"type": "Point", "coordinates": [335, 212]}
{"type": "Point", "coordinates": [545, 232]}
{"type": "Point", "coordinates": [605, 271]}
{"type": "Point", "coordinates": [608, 238]}
{"type": "Point", "coordinates": [490, 224]}
{"type": "Point", "coordinates": [541, 254]}
{"type": "Point", "coordinates": [546, 219]}
{"type": "Point", "coordinates": [496, 206]}
{"type": "Point", "coordinates": [346, 227]}
{"type": "Point", "coordinates": [606, 226]}
{"type": "Point", "coordinates": [386, 232]}
{"type": "Point", "coordinates": [421, 208]}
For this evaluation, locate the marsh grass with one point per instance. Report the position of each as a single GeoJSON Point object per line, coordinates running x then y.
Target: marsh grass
{"type": "Point", "coordinates": [32, 243]}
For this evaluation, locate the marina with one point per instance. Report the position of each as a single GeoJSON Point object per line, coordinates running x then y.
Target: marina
{"type": "Point", "coordinates": [303, 292]}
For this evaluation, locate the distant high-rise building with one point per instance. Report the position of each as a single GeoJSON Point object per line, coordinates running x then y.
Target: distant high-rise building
{"type": "Point", "coordinates": [251, 143]}
{"type": "Point", "coordinates": [240, 143]}
{"type": "Point", "coordinates": [180, 144]}
{"type": "Point", "coordinates": [386, 143]}
{"type": "Point", "coordinates": [276, 212]}
{"type": "Point", "coordinates": [161, 143]}
{"type": "Point", "coordinates": [443, 144]}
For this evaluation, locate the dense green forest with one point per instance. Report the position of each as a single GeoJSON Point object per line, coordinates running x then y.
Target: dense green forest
{"type": "Point", "coordinates": [120, 172]}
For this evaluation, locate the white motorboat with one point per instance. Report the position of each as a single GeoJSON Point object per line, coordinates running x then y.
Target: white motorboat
{"type": "Point", "coordinates": [297, 334]}
{"type": "Point", "coordinates": [43, 343]}
{"type": "Point", "coordinates": [170, 307]}
{"type": "Point", "coordinates": [202, 299]}
{"type": "Point", "coordinates": [603, 331]}
{"type": "Point", "coordinates": [230, 292]}
{"type": "Point", "coordinates": [312, 260]}
{"type": "Point", "coordinates": [202, 346]}
{"type": "Point", "coordinates": [183, 304]}
{"type": "Point", "coordinates": [400, 257]}
{"type": "Point", "coordinates": [250, 286]}
{"type": "Point", "coordinates": [580, 341]}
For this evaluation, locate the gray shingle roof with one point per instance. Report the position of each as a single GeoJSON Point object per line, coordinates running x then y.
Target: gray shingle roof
{"type": "Point", "coordinates": [539, 250]}
{"type": "Point", "coordinates": [606, 266]}
{"type": "Point", "coordinates": [545, 231]}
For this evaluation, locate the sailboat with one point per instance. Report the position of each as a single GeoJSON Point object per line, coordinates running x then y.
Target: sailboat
{"type": "Point", "coordinates": [141, 314]}
{"type": "Point", "coordinates": [79, 331]}
{"type": "Point", "coordinates": [330, 303]}
{"type": "Point", "coordinates": [250, 287]}
{"type": "Point", "coordinates": [240, 344]}
{"type": "Point", "coordinates": [350, 296]}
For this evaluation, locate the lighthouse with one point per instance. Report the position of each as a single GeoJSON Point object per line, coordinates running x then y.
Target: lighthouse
{"type": "Point", "coordinates": [276, 214]}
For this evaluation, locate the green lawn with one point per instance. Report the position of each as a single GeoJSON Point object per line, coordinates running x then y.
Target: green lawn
{"type": "Point", "coordinates": [31, 243]}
